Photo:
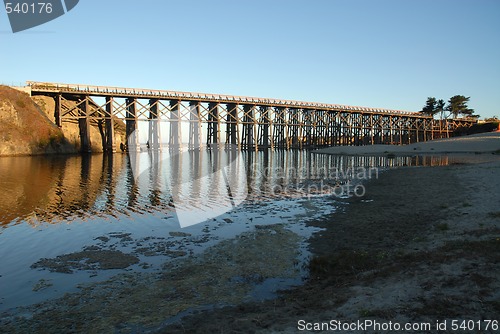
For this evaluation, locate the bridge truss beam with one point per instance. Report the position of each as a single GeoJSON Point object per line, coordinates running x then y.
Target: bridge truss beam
{"type": "Point", "coordinates": [248, 123]}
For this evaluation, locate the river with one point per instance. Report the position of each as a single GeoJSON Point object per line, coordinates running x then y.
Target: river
{"type": "Point", "coordinates": [60, 216]}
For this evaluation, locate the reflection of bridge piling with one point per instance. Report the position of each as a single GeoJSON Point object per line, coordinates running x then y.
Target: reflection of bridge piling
{"type": "Point", "coordinates": [92, 185]}
{"type": "Point", "coordinates": [246, 122]}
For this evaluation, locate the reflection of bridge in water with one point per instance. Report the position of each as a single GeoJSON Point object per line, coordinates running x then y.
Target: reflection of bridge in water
{"type": "Point", "coordinates": [56, 189]}
{"type": "Point", "coordinates": [246, 122]}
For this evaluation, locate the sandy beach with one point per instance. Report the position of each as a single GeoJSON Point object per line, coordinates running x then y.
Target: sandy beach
{"type": "Point", "coordinates": [479, 143]}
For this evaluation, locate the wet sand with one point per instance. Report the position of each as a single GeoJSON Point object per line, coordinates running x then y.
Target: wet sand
{"type": "Point", "coordinates": [423, 245]}
{"type": "Point", "coordinates": [479, 143]}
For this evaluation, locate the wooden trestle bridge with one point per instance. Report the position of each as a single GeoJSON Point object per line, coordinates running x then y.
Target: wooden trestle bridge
{"type": "Point", "coordinates": [247, 122]}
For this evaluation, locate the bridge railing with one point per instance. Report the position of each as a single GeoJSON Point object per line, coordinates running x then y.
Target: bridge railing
{"type": "Point", "coordinates": [168, 94]}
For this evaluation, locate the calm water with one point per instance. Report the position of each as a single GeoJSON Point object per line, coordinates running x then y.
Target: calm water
{"type": "Point", "coordinates": [51, 206]}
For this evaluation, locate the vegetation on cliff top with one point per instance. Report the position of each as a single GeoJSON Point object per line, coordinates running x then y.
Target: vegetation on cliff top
{"type": "Point", "coordinates": [457, 105]}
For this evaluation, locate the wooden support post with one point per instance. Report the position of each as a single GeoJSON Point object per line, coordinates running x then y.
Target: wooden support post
{"type": "Point", "coordinates": [84, 125]}
{"type": "Point", "coordinates": [293, 128]}
{"type": "Point", "coordinates": [372, 130]}
{"type": "Point", "coordinates": [307, 127]}
{"type": "Point", "coordinates": [426, 130]}
{"type": "Point", "coordinates": [402, 131]}
{"type": "Point", "coordinates": [383, 120]}
{"type": "Point", "coordinates": [175, 139]}
{"type": "Point", "coordinates": [350, 133]}
{"type": "Point", "coordinates": [354, 128]}
{"type": "Point", "coordinates": [248, 127]}
{"type": "Point", "coordinates": [58, 111]}
{"type": "Point", "coordinates": [132, 129]}
{"type": "Point", "coordinates": [109, 127]}
{"type": "Point", "coordinates": [232, 124]}
{"type": "Point", "coordinates": [278, 128]}
{"type": "Point", "coordinates": [213, 124]}
{"type": "Point", "coordinates": [255, 125]}
{"type": "Point", "coordinates": [264, 127]}
{"type": "Point", "coordinates": [320, 131]}
{"type": "Point", "coordinates": [408, 132]}
{"type": "Point", "coordinates": [154, 135]}
{"type": "Point", "coordinates": [270, 112]}
{"type": "Point", "coordinates": [335, 125]}
{"type": "Point", "coordinates": [194, 125]}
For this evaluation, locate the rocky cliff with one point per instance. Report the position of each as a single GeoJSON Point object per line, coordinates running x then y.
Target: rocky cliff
{"type": "Point", "coordinates": [27, 127]}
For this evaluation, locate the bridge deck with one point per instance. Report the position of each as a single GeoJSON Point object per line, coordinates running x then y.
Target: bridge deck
{"type": "Point", "coordinates": [47, 87]}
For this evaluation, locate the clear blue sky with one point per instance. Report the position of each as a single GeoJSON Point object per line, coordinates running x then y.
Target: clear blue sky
{"type": "Point", "coordinates": [381, 53]}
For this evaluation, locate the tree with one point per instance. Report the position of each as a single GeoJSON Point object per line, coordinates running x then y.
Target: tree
{"type": "Point", "coordinates": [440, 107]}
{"type": "Point", "coordinates": [430, 106]}
{"type": "Point", "coordinates": [457, 105]}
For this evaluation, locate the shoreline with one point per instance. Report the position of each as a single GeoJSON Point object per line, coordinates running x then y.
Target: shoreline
{"type": "Point", "coordinates": [416, 247]}
{"type": "Point", "coordinates": [488, 142]}
{"type": "Point", "coordinates": [394, 255]}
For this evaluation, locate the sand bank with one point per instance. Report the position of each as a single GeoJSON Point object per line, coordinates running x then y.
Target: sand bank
{"type": "Point", "coordinates": [480, 143]}
{"type": "Point", "coordinates": [422, 246]}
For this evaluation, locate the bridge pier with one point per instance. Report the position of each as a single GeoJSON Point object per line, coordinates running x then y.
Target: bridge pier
{"type": "Point", "coordinates": [294, 129]}
{"type": "Point", "coordinates": [263, 128]}
{"type": "Point", "coordinates": [248, 141]}
{"type": "Point", "coordinates": [232, 124]}
{"type": "Point", "coordinates": [58, 111]}
{"type": "Point", "coordinates": [132, 130]}
{"type": "Point", "coordinates": [213, 124]}
{"type": "Point", "coordinates": [84, 126]}
{"type": "Point", "coordinates": [307, 127]}
{"type": "Point", "coordinates": [194, 125]}
{"type": "Point", "coordinates": [109, 126]}
{"type": "Point", "coordinates": [175, 128]}
{"type": "Point", "coordinates": [279, 128]}
{"type": "Point", "coordinates": [332, 125]}
{"type": "Point", "coordinates": [154, 136]}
